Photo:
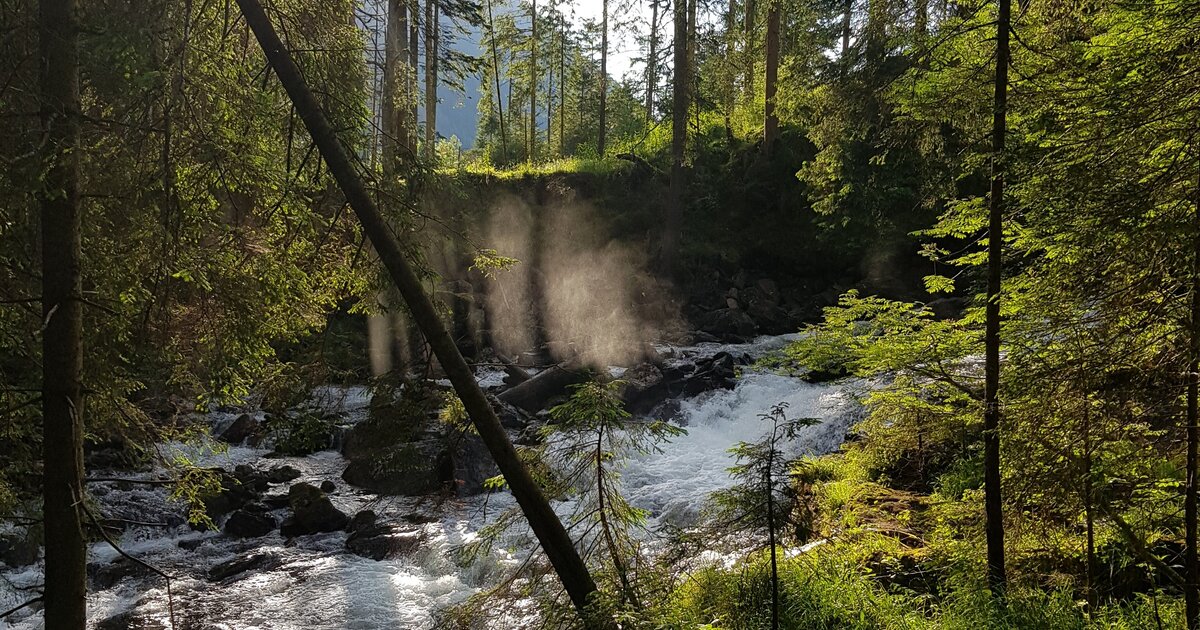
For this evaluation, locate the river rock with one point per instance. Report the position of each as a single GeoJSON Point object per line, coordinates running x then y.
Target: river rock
{"type": "Point", "coordinates": [130, 620]}
{"type": "Point", "coordinates": [328, 486]}
{"type": "Point", "coordinates": [249, 523]}
{"type": "Point", "coordinates": [402, 451]}
{"type": "Point", "coordinates": [283, 474]}
{"type": "Point", "coordinates": [312, 513]}
{"type": "Point", "coordinates": [256, 561]}
{"type": "Point", "coordinates": [19, 549]}
{"type": "Point", "coordinates": [241, 428]}
{"type": "Point", "coordinates": [729, 323]}
{"type": "Point", "coordinates": [108, 574]}
{"type": "Point", "coordinates": [379, 542]}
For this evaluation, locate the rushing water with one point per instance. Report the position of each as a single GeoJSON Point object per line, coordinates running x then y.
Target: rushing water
{"type": "Point", "coordinates": [316, 584]}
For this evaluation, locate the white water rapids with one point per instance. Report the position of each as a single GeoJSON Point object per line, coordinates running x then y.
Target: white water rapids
{"type": "Point", "coordinates": [319, 585]}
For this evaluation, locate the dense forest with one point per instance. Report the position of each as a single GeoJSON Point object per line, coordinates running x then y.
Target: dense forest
{"type": "Point", "coordinates": [733, 315]}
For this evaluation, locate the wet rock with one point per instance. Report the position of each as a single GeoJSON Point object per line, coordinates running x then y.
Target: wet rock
{"type": "Point", "coordinates": [276, 501]}
{"type": "Point", "coordinates": [472, 465]}
{"type": "Point", "coordinates": [245, 523]}
{"type": "Point", "coordinates": [729, 323]}
{"type": "Point", "coordinates": [241, 428]}
{"type": "Point", "coordinates": [406, 469]}
{"type": "Point", "coordinates": [379, 542]}
{"type": "Point", "coordinates": [129, 620]}
{"type": "Point", "coordinates": [415, 455]}
{"type": "Point", "coordinates": [106, 575]}
{"type": "Point", "coordinates": [257, 561]}
{"type": "Point", "coordinates": [312, 513]}
{"type": "Point", "coordinates": [191, 544]}
{"type": "Point", "coordinates": [645, 386]}
{"type": "Point", "coordinates": [283, 474]}
{"type": "Point", "coordinates": [19, 549]}
{"type": "Point", "coordinates": [362, 521]}
{"type": "Point", "coordinates": [237, 489]}
{"type": "Point", "coordinates": [328, 486]}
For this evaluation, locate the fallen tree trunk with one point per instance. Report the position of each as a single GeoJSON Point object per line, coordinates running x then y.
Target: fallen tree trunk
{"type": "Point", "coordinates": [532, 395]}
{"type": "Point", "coordinates": [555, 540]}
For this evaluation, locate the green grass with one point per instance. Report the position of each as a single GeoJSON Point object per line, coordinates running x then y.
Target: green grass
{"type": "Point", "coordinates": [595, 166]}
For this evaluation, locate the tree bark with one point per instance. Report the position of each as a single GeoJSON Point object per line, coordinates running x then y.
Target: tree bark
{"type": "Point", "coordinates": [395, 85]}
{"type": "Point", "coordinates": [414, 59]}
{"type": "Point", "coordinates": [533, 81]}
{"type": "Point", "coordinates": [1191, 516]}
{"type": "Point", "coordinates": [771, 124]}
{"type": "Point", "coordinates": [652, 61]}
{"type": "Point", "coordinates": [431, 77]}
{"type": "Point", "coordinates": [679, 111]}
{"type": "Point", "coordinates": [603, 130]}
{"type": "Point", "coordinates": [993, 505]}
{"type": "Point", "coordinates": [562, 87]}
{"type": "Point", "coordinates": [751, 16]}
{"type": "Point", "coordinates": [555, 541]}
{"type": "Point", "coordinates": [847, 12]}
{"type": "Point", "coordinates": [62, 313]}
{"type": "Point", "coordinates": [496, 74]}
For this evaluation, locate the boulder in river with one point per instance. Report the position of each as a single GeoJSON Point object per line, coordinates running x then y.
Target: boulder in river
{"type": "Point", "coordinates": [249, 523]}
{"type": "Point", "coordinates": [18, 549]}
{"type": "Point", "coordinates": [402, 449]}
{"type": "Point", "coordinates": [241, 428]}
{"type": "Point", "coordinates": [283, 474]}
{"type": "Point", "coordinates": [729, 323]}
{"type": "Point", "coordinates": [378, 541]}
{"type": "Point", "coordinates": [312, 513]}
{"type": "Point", "coordinates": [256, 561]}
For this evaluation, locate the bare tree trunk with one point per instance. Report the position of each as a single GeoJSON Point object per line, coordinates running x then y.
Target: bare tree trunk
{"type": "Point", "coordinates": [847, 12]}
{"type": "Point", "coordinates": [748, 52]}
{"type": "Point", "coordinates": [993, 505]}
{"type": "Point", "coordinates": [652, 61]}
{"type": "Point", "coordinates": [414, 59]}
{"type": "Point", "coordinates": [681, 99]}
{"type": "Point", "coordinates": [1191, 517]}
{"type": "Point", "coordinates": [431, 78]}
{"type": "Point", "coordinates": [545, 524]}
{"type": "Point", "coordinates": [602, 140]}
{"type": "Point", "coordinates": [1088, 510]}
{"type": "Point", "coordinates": [496, 74]}
{"type": "Point", "coordinates": [770, 482]}
{"type": "Point", "coordinates": [771, 126]}
{"type": "Point", "coordinates": [562, 82]}
{"type": "Point", "coordinates": [62, 313]}
{"type": "Point", "coordinates": [533, 81]}
{"type": "Point", "coordinates": [395, 85]}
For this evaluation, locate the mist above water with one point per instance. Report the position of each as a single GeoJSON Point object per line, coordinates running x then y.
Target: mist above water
{"type": "Point", "coordinates": [586, 295]}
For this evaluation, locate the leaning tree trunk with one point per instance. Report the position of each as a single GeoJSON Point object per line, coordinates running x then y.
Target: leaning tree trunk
{"type": "Point", "coordinates": [681, 86]}
{"type": "Point", "coordinates": [993, 506]}
{"type": "Point", "coordinates": [542, 520]}
{"type": "Point", "coordinates": [603, 131]}
{"type": "Point", "coordinates": [771, 124]}
{"type": "Point", "coordinates": [65, 588]}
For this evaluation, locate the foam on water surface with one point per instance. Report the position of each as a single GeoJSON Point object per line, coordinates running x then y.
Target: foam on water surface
{"type": "Point", "coordinates": [316, 584]}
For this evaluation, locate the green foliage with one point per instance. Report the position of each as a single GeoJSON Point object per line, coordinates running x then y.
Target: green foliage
{"type": "Point", "coordinates": [300, 432]}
